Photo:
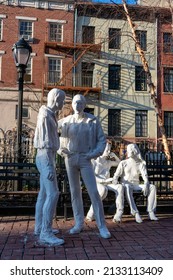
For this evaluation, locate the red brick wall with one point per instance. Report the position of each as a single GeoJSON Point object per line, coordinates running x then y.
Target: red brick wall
{"type": "Point", "coordinates": [166, 99]}
{"type": "Point", "coordinates": [10, 36]}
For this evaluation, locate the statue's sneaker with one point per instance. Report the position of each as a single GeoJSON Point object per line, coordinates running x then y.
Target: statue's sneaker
{"type": "Point", "coordinates": [89, 218]}
{"type": "Point", "coordinates": [54, 231]}
{"type": "Point", "coordinates": [117, 218]}
{"type": "Point", "coordinates": [104, 232]}
{"type": "Point", "coordinates": [138, 218]}
{"type": "Point", "coordinates": [152, 216]}
{"type": "Point", "coordinates": [51, 239]}
{"type": "Point", "coordinates": [75, 229]}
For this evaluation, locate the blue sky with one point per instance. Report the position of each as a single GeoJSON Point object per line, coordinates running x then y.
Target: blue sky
{"type": "Point", "coordinates": [115, 1]}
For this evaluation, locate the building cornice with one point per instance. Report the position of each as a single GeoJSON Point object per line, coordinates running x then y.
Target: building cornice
{"type": "Point", "coordinates": [48, 4]}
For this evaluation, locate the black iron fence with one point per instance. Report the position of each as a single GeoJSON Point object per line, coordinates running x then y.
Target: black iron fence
{"type": "Point", "coordinates": [19, 182]}
{"type": "Point", "coordinates": [8, 145]}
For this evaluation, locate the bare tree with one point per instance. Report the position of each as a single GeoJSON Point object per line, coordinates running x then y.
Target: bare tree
{"type": "Point", "coordinates": [152, 87]}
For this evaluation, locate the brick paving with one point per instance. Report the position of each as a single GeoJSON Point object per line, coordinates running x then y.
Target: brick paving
{"type": "Point", "coordinates": [130, 241]}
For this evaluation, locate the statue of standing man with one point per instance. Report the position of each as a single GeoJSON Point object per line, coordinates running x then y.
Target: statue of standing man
{"type": "Point", "coordinates": [46, 141]}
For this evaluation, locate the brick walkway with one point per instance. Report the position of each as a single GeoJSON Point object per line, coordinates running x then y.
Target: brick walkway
{"type": "Point", "coordinates": [130, 241]}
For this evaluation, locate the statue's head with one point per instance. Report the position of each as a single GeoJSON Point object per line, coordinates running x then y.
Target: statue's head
{"type": "Point", "coordinates": [133, 151]}
{"type": "Point", "coordinates": [55, 99]}
{"type": "Point", "coordinates": [107, 149]}
{"type": "Point", "coordinates": [78, 103]}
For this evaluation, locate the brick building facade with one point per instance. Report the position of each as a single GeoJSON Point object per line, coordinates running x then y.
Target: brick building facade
{"type": "Point", "coordinates": [53, 21]}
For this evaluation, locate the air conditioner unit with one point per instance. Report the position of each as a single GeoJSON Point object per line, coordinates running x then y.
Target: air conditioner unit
{"type": "Point", "coordinates": [31, 40]}
{"type": "Point", "coordinates": [28, 38]}
{"type": "Point", "coordinates": [70, 7]}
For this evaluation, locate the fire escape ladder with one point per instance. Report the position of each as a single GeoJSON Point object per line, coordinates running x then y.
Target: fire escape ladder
{"type": "Point", "coordinates": [74, 64]}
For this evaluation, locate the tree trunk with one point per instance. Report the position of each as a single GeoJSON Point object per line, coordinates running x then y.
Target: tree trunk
{"type": "Point", "coordinates": [152, 88]}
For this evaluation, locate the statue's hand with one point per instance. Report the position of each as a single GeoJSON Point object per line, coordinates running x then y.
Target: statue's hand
{"type": "Point", "coordinates": [50, 176]}
{"type": "Point", "coordinates": [65, 152]}
{"type": "Point", "coordinates": [146, 189]}
{"type": "Point", "coordinates": [102, 182]}
{"type": "Point", "coordinates": [114, 181]}
{"type": "Point", "coordinates": [89, 155]}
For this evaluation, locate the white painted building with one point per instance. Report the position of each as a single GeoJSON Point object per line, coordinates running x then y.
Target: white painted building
{"type": "Point", "coordinates": [125, 106]}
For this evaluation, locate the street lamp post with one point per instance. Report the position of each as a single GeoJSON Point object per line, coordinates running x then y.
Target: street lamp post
{"type": "Point", "coordinates": [21, 52]}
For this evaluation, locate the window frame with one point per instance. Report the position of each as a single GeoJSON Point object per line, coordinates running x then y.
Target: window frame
{"type": "Point", "coordinates": [1, 29]}
{"type": "Point", "coordinates": [0, 67]}
{"type": "Point", "coordinates": [1, 55]}
{"type": "Point", "coordinates": [168, 127]}
{"type": "Point", "coordinates": [86, 34]}
{"type": "Point", "coordinates": [23, 108]}
{"type": "Point", "coordinates": [60, 71]}
{"type": "Point", "coordinates": [140, 78]}
{"type": "Point", "coordinates": [87, 74]}
{"type": "Point", "coordinates": [168, 88]}
{"type": "Point", "coordinates": [114, 40]}
{"type": "Point", "coordinates": [114, 122]}
{"type": "Point", "coordinates": [167, 44]}
{"type": "Point", "coordinates": [61, 35]}
{"type": "Point", "coordinates": [2, 17]}
{"type": "Point", "coordinates": [114, 81]}
{"type": "Point", "coordinates": [28, 70]}
{"type": "Point", "coordinates": [27, 37]}
{"type": "Point", "coordinates": [142, 39]}
{"type": "Point", "coordinates": [141, 123]}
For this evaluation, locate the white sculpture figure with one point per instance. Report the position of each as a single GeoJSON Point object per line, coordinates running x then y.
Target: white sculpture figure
{"type": "Point", "coordinates": [46, 141]}
{"type": "Point", "coordinates": [129, 170]}
{"type": "Point", "coordinates": [82, 139]}
{"type": "Point", "coordinates": [102, 166]}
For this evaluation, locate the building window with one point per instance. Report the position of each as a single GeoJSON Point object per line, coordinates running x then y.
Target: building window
{"type": "Point", "coordinates": [25, 112]}
{"type": "Point", "coordinates": [55, 32]}
{"type": "Point", "coordinates": [1, 54]}
{"type": "Point", "coordinates": [114, 122]}
{"type": "Point", "coordinates": [87, 74]}
{"type": "Point", "coordinates": [54, 70]}
{"type": "Point", "coordinates": [114, 38]}
{"type": "Point", "coordinates": [168, 123]}
{"type": "Point", "coordinates": [89, 110]}
{"type": "Point", "coordinates": [1, 23]}
{"type": "Point", "coordinates": [25, 29]}
{"type": "Point", "coordinates": [28, 73]}
{"type": "Point", "coordinates": [141, 123]}
{"type": "Point", "coordinates": [88, 34]}
{"type": "Point", "coordinates": [142, 38]}
{"type": "Point", "coordinates": [0, 68]}
{"type": "Point", "coordinates": [140, 79]}
{"type": "Point", "coordinates": [114, 77]}
{"type": "Point", "coordinates": [167, 43]}
{"type": "Point", "coordinates": [168, 79]}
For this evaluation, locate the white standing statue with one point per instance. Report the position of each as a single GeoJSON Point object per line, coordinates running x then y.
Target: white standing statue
{"type": "Point", "coordinates": [46, 141]}
{"type": "Point", "coordinates": [82, 139]}
{"type": "Point", "coordinates": [129, 170]}
{"type": "Point", "coordinates": [102, 166]}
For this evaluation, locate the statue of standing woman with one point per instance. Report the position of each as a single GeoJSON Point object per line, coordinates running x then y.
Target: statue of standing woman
{"type": "Point", "coordinates": [82, 139]}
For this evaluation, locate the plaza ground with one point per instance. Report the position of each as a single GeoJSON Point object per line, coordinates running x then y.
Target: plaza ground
{"type": "Point", "coordinates": [151, 240]}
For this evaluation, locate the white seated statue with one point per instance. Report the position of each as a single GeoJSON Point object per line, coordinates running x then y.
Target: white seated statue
{"type": "Point", "coordinates": [102, 166]}
{"type": "Point", "coordinates": [129, 170]}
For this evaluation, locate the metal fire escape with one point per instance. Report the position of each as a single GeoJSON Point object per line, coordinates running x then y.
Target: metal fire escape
{"type": "Point", "coordinates": [68, 81]}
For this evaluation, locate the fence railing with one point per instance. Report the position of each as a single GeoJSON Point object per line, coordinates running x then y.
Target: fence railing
{"type": "Point", "coordinates": [8, 145]}
{"type": "Point", "coordinates": [151, 151]}
{"type": "Point", "coordinates": [71, 79]}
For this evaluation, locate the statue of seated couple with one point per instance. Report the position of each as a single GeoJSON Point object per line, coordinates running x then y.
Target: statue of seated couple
{"type": "Point", "coordinates": [128, 172]}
